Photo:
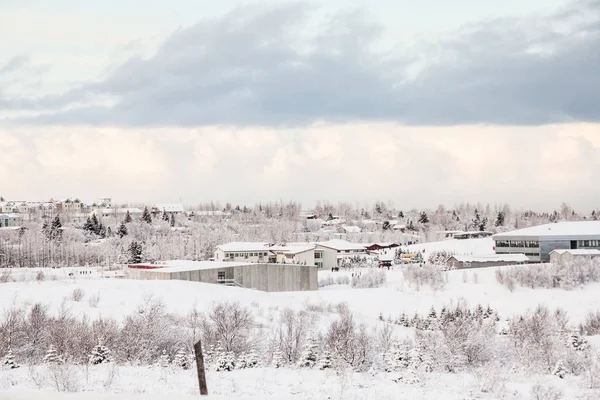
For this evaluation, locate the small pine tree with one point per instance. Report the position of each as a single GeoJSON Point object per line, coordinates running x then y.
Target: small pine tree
{"type": "Point", "coordinates": [100, 355]}
{"type": "Point", "coordinates": [251, 359]}
{"type": "Point", "coordinates": [182, 360]}
{"type": "Point", "coordinates": [414, 322]}
{"type": "Point", "coordinates": [146, 216]}
{"type": "Point", "coordinates": [52, 356]}
{"type": "Point", "coordinates": [432, 313]}
{"type": "Point", "coordinates": [9, 361]}
{"type": "Point", "coordinates": [423, 218]}
{"type": "Point", "coordinates": [277, 361]}
{"type": "Point", "coordinates": [165, 216]}
{"type": "Point", "coordinates": [578, 342]}
{"type": "Point", "coordinates": [500, 219]}
{"type": "Point", "coordinates": [559, 370]}
{"type": "Point", "coordinates": [324, 361]}
{"type": "Point", "coordinates": [397, 359]}
{"type": "Point", "coordinates": [88, 226]}
{"type": "Point", "coordinates": [308, 358]}
{"type": "Point", "coordinates": [164, 361]}
{"type": "Point", "coordinates": [172, 220]}
{"type": "Point", "coordinates": [135, 252]}
{"type": "Point", "coordinates": [122, 230]}
{"type": "Point", "coordinates": [224, 361]}
{"type": "Point", "coordinates": [128, 218]}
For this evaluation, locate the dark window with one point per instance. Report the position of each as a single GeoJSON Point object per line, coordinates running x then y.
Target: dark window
{"type": "Point", "coordinates": [221, 275]}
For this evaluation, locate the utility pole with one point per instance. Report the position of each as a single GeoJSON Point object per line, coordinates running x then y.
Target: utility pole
{"type": "Point", "coordinates": [200, 369]}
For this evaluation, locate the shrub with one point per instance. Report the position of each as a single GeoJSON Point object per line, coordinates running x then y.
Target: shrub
{"type": "Point", "coordinates": [77, 294]}
{"type": "Point", "coordinates": [370, 279]}
{"type": "Point", "coordinates": [591, 326]}
{"type": "Point", "coordinates": [430, 275]}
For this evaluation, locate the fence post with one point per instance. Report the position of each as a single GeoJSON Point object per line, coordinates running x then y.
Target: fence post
{"type": "Point", "coordinates": [200, 369]}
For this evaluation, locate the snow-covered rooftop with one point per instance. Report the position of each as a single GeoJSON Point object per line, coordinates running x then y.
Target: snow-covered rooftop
{"type": "Point", "coordinates": [188, 265]}
{"type": "Point", "coordinates": [492, 258]}
{"type": "Point", "coordinates": [578, 252]}
{"type": "Point", "coordinates": [169, 207]}
{"type": "Point", "coordinates": [572, 229]}
{"type": "Point", "coordinates": [339, 244]}
{"type": "Point", "coordinates": [244, 246]}
{"type": "Point", "coordinates": [292, 248]}
{"type": "Point", "coordinates": [351, 229]}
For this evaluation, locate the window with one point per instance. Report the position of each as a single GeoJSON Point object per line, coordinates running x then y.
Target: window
{"type": "Point", "coordinates": [319, 264]}
{"type": "Point", "coordinates": [586, 243]}
{"type": "Point", "coordinates": [318, 255]}
{"type": "Point", "coordinates": [221, 276]}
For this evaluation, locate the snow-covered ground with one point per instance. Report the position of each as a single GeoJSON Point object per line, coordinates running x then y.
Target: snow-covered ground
{"type": "Point", "coordinates": [119, 298]}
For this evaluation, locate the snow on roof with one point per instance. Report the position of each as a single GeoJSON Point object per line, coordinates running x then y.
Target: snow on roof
{"type": "Point", "coordinates": [578, 252]}
{"type": "Point", "coordinates": [339, 244]}
{"type": "Point", "coordinates": [169, 207]}
{"type": "Point", "coordinates": [292, 248]}
{"type": "Point", "coordinates": [351, 229]}
{"type": "Point", "coordinates": [492, 258]}
{"type": "Point", "coordinates": [557, 230]}
{"type": "Point", "coordinates": [188, 265]}
{"type": "Point", "coordinates": [212, 213]}
{"type": "Point", "coordinates": [244, 246]}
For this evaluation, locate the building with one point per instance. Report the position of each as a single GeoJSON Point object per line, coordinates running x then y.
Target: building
{"type": "Point", "coordinates": [264, 277]}
{"type": "Point", "coordinates": [10, 220]}
{"type": "Point", "coordinates": [537, 242]}
{"type": "Point", "coordinates": [168, 208]}
{"type": "Point", "coordinates": [471, 235]}
{"type": "Point", "coordinates": [562, 256]}
{"type": "Point", "coordinates": [117, 212]}
{"type": "Point", "coordinates": [349, 229]}
{"type": "Point", "coordinates": [494, 260]}
{"type": "Point", "coordinates": [380, 246]}
{"type": "Point", "coordinates": [334, 251]}
{"type": "Point", "coordinates": [259, 252]}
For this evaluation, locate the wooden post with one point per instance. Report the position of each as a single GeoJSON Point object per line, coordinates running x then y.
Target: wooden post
{"type": "Point", "coordinates": [200, 369]}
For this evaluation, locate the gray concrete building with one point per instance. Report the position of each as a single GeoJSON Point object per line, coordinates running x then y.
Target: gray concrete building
{"type": "Point", "coordinates": [265, 277]}
{"type": "Point", "coordinates": [497, 260]}
{"type": "Point", "coordinates": [538, 242]}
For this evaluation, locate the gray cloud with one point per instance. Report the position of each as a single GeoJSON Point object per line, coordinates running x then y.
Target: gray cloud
{"type": "Point", "coordinates": [14, 64]}
{"type": "Point", "coordinates": [260, 66]}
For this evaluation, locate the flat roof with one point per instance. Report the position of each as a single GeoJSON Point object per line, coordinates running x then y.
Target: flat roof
{"type": "Point", "coordinates": [339, 244]}
{"type": "Point", "coordinates": [578, 252]}
{"type": "Point", "coordinates": [560, 230]}
{"type": "Point", "coordinates": [492, 258]}
{"type": "Point", "coordinates": [187, 265]}
{"type": "Point", "coordinates": [244, 246]}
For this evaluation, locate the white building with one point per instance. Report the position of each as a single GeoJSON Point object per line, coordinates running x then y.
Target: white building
{"type": "Point", "coordinates": [334, 251]}
{"type": "Point", "coordinates": [537, 242]}
{"type": "Point", "coordinates": [10, 220]}
{"type": "Point", "coordinates": [259, 252]}
{"type": "Point", "coordinates": [117, 212]}
{"type": "Point", "coordinates": [561, 256]}
{"type": "Point", "coordinates": [168, 208]}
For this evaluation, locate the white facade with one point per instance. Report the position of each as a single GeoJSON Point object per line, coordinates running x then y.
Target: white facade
{"type": "Point", "coordinates": [10, 220]}
{"type": "Point", "coordinates": [562, 256]}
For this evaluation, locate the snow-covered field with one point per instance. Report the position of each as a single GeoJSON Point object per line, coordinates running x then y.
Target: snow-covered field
{"type": "Point", "coordinates": [119, 298]}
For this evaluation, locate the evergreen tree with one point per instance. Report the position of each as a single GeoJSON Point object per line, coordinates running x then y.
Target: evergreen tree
{"type": "Point", "coordinates": [225, 362]}
{"type": "Point", "coordinates": [52, 356]}
{"type": "Point", "coordinates": [308, 358]}
{"type": "Point", "coordinates": [559, 370]}
{"type": "Point", "coordinates": [146, 216]}
{"type": "Point", "coordinates": [423, 219]}
{"type": "Point", "coordinates": [100, 355]}
{"type": "Point", "coordinates": [500, 219]}
{"type": "Point", "coordinates": [483, 224]}
{"type": "Point", "coordinates": [324, 361]}
{"type": "Point", "coordinates": [400, 214]}
{"type": "Point", "coordinates": [386, 225]}
{"type": "Point", "coordinates": [277, 359]}
{"type": "Point", "coordinates": [410, 226]}
{"type": "Point", "coordinates": [9, 361]}
{"type": "Point", "coordinates": [122, 230]}
{"type": "Point", "coordinates": [251, 359]}
{"type": "Point", "coordinates": [578, 342]}
{"type": "Point", "coordinates": [163, 360]}
{"type": "Point", "coordinates": [128, 218]}
{"type": "Point", "coordinates": [88, 226]}
{"type": "Point", "coordinates": [432, 313]}
{"type": "Point", "coordinates": [397, 359]}
{"type": "Point", "coordinates": [182, 360]}
{"type": "Point", "coordinates": [165, 216]}
{"type": "Point", "coordinates": [172, 220]}
{"type": "Point", "coordinates": [476, 221]}
{"type": "Point", "coordinates": [53, 231]}
{"type": "Point", "coordinates": [135, 252]}
{"type": "Point", "coordinates": [594, 215]}
{"type": "Point", "coordinates": [95, 224]}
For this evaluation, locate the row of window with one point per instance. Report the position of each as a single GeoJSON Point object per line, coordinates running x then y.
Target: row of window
{"type": "Point", "coordinates": [589, 243]}
{"type": "Point", "coordinates": [518, 243]}
{"type": "Point", "coordinates": [236, 255]}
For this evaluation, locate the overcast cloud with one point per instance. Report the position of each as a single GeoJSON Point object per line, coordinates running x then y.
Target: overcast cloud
{"type": "Point", "coordinates": [271, 102]}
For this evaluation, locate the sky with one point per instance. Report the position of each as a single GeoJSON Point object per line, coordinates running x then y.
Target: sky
{"type": "Point", "coordinates": [415, 103]}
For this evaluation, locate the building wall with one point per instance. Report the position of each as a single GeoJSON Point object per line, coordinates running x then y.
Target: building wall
{"type": "Point", "coordinates": [462, 265]}
{"type": "Point", "coordinates": [242, 256]}
{"type": "Point", "coordinates": [8, 220]}
{"type": "Point", "coordinates": [329, 257]}
{"type": "Point", "coordinates": [264, 277]}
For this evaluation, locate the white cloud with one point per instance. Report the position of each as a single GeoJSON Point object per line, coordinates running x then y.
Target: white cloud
{"type": "Point", "coordinates": [413, 166]}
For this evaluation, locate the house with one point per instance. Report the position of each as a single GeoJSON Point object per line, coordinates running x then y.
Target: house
{"type": "Point", "coordinates": [493, 260]}
{"type": "Point", "coordinates": [267, 277]}
{"type": "Point", "coordinates": [334, 251]}
{"type": "Point", "coordinates": [471, 235]}
{"type": "Point", "coordinates": [260, 252]}
{"type": "Point", "coordinates": [349, 229]}
{"type": "Point", "coordinates": [68, 205]}
{"type": "Point", "coordinates": [380, 246]}
{"type": "Point", "coordinates": [168, 208]}
{"type": "Point", "coordinates": [537, 242]}
{"type": "Point", "coordinates": [117, 212]}
{"type": "Point", "coordinates": [11, 220]}
{"type": "Point", "coordinates": [567, 255]}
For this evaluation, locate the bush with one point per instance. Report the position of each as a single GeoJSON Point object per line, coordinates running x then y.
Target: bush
{"type": "Point", "coordinates": [567, 275]}
{"type": "Point", "coordinates": [430, 275]}
{"type": "Point", "coordinates": [370, 279]}
{"type": "Point", "coordinates": [350, 344]}
{"type": "Point", "coordinates": [591, 326]}
{"type": "Point", "coordinates": [94, 300]}
{"type": "Point", "coordinates": [77, 294]}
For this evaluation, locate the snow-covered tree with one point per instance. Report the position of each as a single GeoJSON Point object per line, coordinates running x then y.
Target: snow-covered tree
{"type": "Point", "coordinates": [165, 216]}
{"type": "Point", "coordinates": [172, 222]}
{"type": "Point", "coordinates": [52, 356]}
{"type": "Point", "coordinates": [325, 361]}
{"type": "Point", "coordinates": [424, 218]}
{"type": "Point", "coordinates": [277, 361]}
{"type": "Point", "coordinates": [122, 231]}
{"type": "Point", "coordinates": [397, 358]}
{"type": "Point", "coordinates": [164, 361]}
{"type": "Point", "coordinates": [251, 359]}
{"type": "Point", "coordinates": [135, 252]}
{"type": "Point", "coordinates": [308, 358]}
{"type": "Point", "coordinates": [559, 370]}
{"type": "Point", "coordinates": [578, 342]}
{"type": "Point", "coordinates": [182, 359]}
{"type": "Point", "coordinates": [146, 216]}
{"type": "Point", "coordinates": [100, 355]}
{"type": "Point", "coordinates": [9, 361]}
{"type": "Point", "coordinates": [128, 218]}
